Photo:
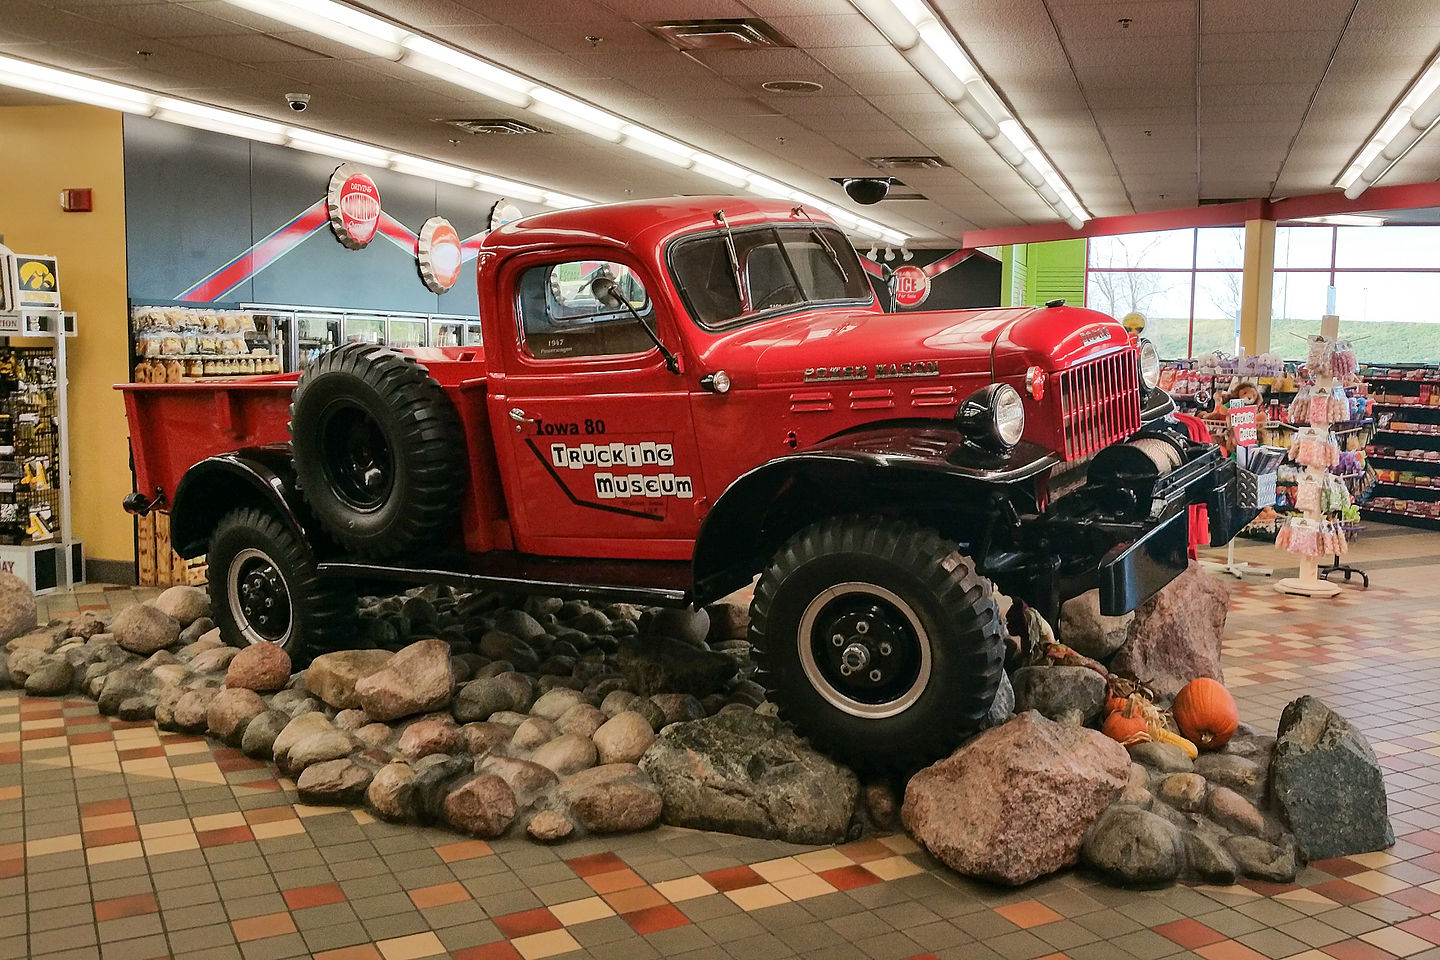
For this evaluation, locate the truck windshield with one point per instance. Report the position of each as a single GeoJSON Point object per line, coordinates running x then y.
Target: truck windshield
{"type": "Point", "coordinates": [779, 268]}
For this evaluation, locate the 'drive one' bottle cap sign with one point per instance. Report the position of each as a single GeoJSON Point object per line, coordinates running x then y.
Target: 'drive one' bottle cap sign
{"type": "Point", "coordinates": [353, 203]}
{"type": "Point", "coordinates": [439, 254]}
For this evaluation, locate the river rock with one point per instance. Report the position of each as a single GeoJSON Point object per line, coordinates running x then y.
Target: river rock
{"type": "Point", "coordinates": [582, 720]}
{"type": "Point", "coordinates": [1067, 694]}
{"type": "Point", "coordinates": [424, 737]}
{"type": "Point", "coordinates": [300, 727]}
{"type": "Point", "coordinates": [261, 666]}
{"type": "Point", "coordinates": [143, 629]}
{"type": "Point", "coordinates": [1244, 776]}
{"type": "Point", "coordinates": [527, 781]}
{"type": "Point", "coordinates": [332, 676]}
{"type": "Point", "coordinates": [213, 660]}
{"type": "Point", "coordinates": [43, 641]}
{"type": "Point", "coordinates": [197, 630]}
{"type": "Point", "coordinates": [374, 734]}
{"type": "Point", "coordinates": [183, 604]}
{"type": "Point", "coordinates": [1207, 859]}
{"type": "Point", "coordinates": [624, 738]}
{"type": "Point", "coordinates": [1087, 631]}
{"type": "Point", "coordinates": [1164, 757]}
{"type": "Point", "coordinates": [1235, 813]}
{"type": "Point", "coordinates": [554, 703]}
{"type": "Point", "coordinates": [566, 754]}
{"type": "Point", "coordinates": [729, 620]}
{"type": "Point", "coordinates": [22, 661]}
{"type": "Point", "coordinates": [614, 798]}
{"type": "Point", "coordinates": [659, 664]}
{"type": "Point", "coordinates": [499, 645]}
{"type": "Point", "coordinates": [533, 732]}
{"type": "Point", "coordinates": [1133, 847]}
{"type": "Point", "coordinates": [261, 733]}
{"type": "Point", "coordinates": [1327, 783]}
{"type": "Point", "coordinates": [191, 713]}
{"type": "Point", "coordinates": [677, 707]}
{"type": "Point", "coordinates": [748, 774]}
{"type": "Point", "coordinates": [616, 701]}
{"type": "Point", "coordinates": [230, 713]}
{"type": "Point", "coordinates": [548, 826]}
{"type": "Point", "coordinates": [1002, 708]}
{"type": "Point", "coordinates": [17, 607]}
{"type": "Point", "coordinates": [1013, 803]}
{"type": "Point", "coordinates": [689, 626]}
{"type": "Point", "coordinates": [389, 793]}
{"type": "Point", "coordinates": [518, 624]}
{"type": "Point", "coordinates": [50, 677]}
{"type": "Point", "coordinates": [326, 744]}
{"type": "Point", "coordinates": [483, 737]}
{"type": "Point", "coordinates": [417, 679]}
{"type": "Point", "coordinates": [482, 806]}
{"type": "Point", "coordinates": [1184, 791]}
{"type": "Point", "coordinates": [333, 781]}
{"type": "Point", "coordinates": [1263, 860]}
{"type": "Point", "coordinates": [1175, 636]}
{"type": "Point", "coordinates": [479, 699]}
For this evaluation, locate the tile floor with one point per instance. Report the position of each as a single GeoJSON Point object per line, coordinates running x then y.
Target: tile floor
{"type": "Point", "coordinates": [124, 843]}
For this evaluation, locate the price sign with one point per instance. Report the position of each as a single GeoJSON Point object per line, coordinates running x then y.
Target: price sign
{"type": "Point", "coordinates": [1243, 426]}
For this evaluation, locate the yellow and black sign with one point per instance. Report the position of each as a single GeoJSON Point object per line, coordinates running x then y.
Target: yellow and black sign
{"type": "Point", "coordinates": [38, 279]}
{"type": "Point", "coordinates": [1134, 322]}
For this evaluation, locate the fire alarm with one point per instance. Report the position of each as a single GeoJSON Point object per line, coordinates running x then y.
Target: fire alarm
{"type": "Point", "coordinates": [76, 200]}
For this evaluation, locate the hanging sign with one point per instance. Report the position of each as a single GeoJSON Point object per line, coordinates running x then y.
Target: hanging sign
{"type": "Point", "coordinates": [1243, 426]}
{"type": "Point", "coordinates": [439, 254]}
{"type": "Point", "coordinates": [1134, 322]}
{"type": "Point", "coordinates": [502, 213]}
{"type": "Point", "coordinates": [37, 280]}
{"type": "Point", "coordinates": [912, 286]}
{"type": "Point", "coordinates": [353, 202]}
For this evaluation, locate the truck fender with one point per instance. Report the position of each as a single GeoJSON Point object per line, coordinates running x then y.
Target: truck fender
{"type": "Point", "coordinates": [259, 476]}
{"type": "Point", "coordinates": [923, 468]}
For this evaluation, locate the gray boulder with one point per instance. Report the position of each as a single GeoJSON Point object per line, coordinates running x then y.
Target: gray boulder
{"type": "Point", "coordinates": [483, 806]}
{"type": "Point", "coordinates": [1134, 847]}
{"type": "Point", "coordinates": [1163, 757]}
{"type": "Point", "coordinates": [1087, 631]}
{"type": "Point", "coordinates": [659, 664]}
{"type": "Point", "coordinates": [1327, 783]}
{"type": "Point", "coordinates": [1240, 774]}
{"type": "Point", "coordinates": [1207, 859]}
{"type": "Point", "coordinates": [17, 608]}
{"type": "Point", "coordinates": [690, 627]}
{"type": "Point", "coordinates": [417, 679]}
{"type": "Point", "coordinates": [260, 733]}
{"type": "Point", "coordinates": [334, 781]}
{"type": "Point", "coordinates": [50, 677]}
{"type": "Point", "coordinates": [1066, 694]}
{"type": "Point", "coordinates": [479, 699]}
{"type": "Point", "coordinates": [747, 774]}
{"type": "Point", "coordinates": [143, 629]}
{"type": "Point", "coordinates": [1263, 860]}
{"type": "Point", "coordinates": [183, 604]}
{"type": "Point", "coordinates": [613, 798]}
{"type": "Point", "coordinates": [332, 676]}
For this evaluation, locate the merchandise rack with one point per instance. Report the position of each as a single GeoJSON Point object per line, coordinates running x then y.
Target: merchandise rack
{"type": "Point", "coordinates": [1393, 453]}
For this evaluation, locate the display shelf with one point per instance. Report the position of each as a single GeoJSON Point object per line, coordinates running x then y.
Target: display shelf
{"type": "Point", "coordinates": [1432, 381]}
{"type": "Point", "coordinates": [1407, 460]}
{"type": "Point", "coordinates": [1405, 519]}
{"type": "Point", "coordinates": [1429, 407]}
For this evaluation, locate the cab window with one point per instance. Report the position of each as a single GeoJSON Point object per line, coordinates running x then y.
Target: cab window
{"type": "Point", "coordinates": [568, 310]}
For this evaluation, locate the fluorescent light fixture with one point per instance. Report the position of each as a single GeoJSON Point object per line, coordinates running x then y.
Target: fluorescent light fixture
{"type": "Point", "coordinates": [73, 86]}
{"type": "Point", "coordinates": [913, 28]}
{"type": "Point", "coordinates": [1413, 117]}
{"type": "Point", "coordinates": [218, 120]}
{"type": "Point", "coordinates": [432, 170]}
{"type": "Point", "coordinates": [1345, 220]}
{"type": "Point", "coordinates": [561, 201]}
{"type": "Point", "coordinates": [333, 21]}
{"type": "Point", "coordinates": [509, 188]}
{"type": "Point", "coordinates": [937, 51]}
{"type": "Point", "coordinates": [332, 146]}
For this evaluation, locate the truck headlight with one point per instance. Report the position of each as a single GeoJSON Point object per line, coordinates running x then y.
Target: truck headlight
{"type": "Point", "coordinates": [1149, 365]}
{"type": "Point", "coordinates": [993, 416]}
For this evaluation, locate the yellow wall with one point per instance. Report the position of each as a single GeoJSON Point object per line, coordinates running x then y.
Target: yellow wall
{"type": "Point", "coordinates": [42, 151]}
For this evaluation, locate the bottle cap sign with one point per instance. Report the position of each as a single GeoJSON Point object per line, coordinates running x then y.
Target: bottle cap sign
{"type": "Point", "coordinates": [439, 254]}
{"type": "Point", "coordinates": [353, 202]}
{"type": "Point", "coordinates": [912, 286]}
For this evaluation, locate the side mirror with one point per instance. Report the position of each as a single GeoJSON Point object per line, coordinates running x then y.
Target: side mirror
{"type": "Point", "coordinates": [607, 292]}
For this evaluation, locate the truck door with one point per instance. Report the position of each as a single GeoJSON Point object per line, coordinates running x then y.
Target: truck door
{"type": "Point", "coordinates": [593, 432]}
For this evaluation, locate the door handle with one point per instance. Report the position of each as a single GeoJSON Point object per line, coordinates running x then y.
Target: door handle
{"type": "Point", "coordinates": [520, 418]}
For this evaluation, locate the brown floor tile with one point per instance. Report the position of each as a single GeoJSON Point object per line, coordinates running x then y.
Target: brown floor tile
{"type": "Point", "coordinates": [265, 925]}
{"type": "Point", "coordinates": [439, 895]}
{"type": "Point", "coordinates": [140, 903]}
{"type": "Point", "coordinates": [527, 922]}
{"type": "Point", "coordinates": [317, 896]}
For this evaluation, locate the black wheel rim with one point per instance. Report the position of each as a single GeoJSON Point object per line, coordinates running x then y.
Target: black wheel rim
{"type": "Point", "coordinates": [864, 650]}
{"type": "Point", "coordinates": [356, 457]}
{"type": "Point", "coordinates": [259, 598]}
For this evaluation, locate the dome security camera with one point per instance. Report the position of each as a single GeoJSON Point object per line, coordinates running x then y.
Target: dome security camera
{"type": "Point", "coordinates": [297, 101]}
{"type": "Point", "coordinates": [867, 190]}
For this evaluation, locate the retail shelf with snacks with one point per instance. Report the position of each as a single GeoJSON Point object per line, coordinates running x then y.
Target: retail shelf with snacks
{"type": "Point", "coordinates": [175, 343]}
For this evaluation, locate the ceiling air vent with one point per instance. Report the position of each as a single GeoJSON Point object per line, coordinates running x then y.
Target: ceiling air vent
{"type": "Point", "coordinates": [792, 86]}
{"type": "Point", "coordinates": [495, 126]}
{"type": "Point", "coordinates": [907, 163]}
{"type": "Point", "coordinates": [735, 33]}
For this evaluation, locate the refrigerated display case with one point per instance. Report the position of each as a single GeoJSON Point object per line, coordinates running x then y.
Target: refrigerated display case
{"type": "Point", "coordinates": [445, 332]}
{"type": "Point", "coordinates": [300, 334]}
{"type": "Point", "coordinates": [473, 337]}
{"type": "Point", "coordinates": [362, 328]}
{"type": "Point", "coordinates": [406, 332]}
{"type": "Point", "coordinates": [314, 334]}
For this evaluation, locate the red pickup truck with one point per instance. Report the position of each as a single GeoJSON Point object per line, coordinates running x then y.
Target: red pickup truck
{"type": "Point", "coordinates": [676, 396]}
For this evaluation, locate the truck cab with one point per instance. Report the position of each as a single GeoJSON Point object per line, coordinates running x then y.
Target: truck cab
{"type": "Point", "coordinates": [677, 397]}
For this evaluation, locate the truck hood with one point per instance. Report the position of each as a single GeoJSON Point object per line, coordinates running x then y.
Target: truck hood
{"type": "Point", "coordinates": [844, 345]}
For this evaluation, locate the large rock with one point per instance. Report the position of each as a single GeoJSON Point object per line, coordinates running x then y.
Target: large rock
{"type": "Point", "coordinates": [230, 713]}
{"type": "Point", "coordinates": [624, 738]}
{"type": "Point", "coordinates": [1013, 804]}
{"type": "Point", "coordinates": [143, 629]}
{"type": "Point", "coordinates": [192, 710]}
{"type": "Point", "coordinates": [1067, 694]}
{"type": "Point", "coordinates": [614, 798]}
{"type": "Point", "coordinates": [424, 737]}
{"type": "Point", "coordinates": [1175, 636]}
{"type": "Point", "coordinates": [659, 664]}
{"type": "Point", "coordinates": [334, 781]}
{"type": "Point", "coordinates": [261, 666]}
{"type": "Point", "coordinates": [1134, 847]}
{"type": "Point", "coordinates": [390, 793]}
{"type": "Point", "coordinates": [1263, 860]}
{"type": "Point", "coordinates": [50, 677]}
{"type": "Point", "coordinates": [1002, 708]}
{"type": "Point", "coordinates": [690, 627]}
{"type": "Point", "coordinates": [332, 676]}
{"type": "Point", "coordinates": [184, 605]}
{"type": "Point", "coordinates": [1087, 631]}
{"type": "Point", "coordinates": [329, 744]}
{"type": "Point", "coordinates": [17, 608]}
{"type": "Point", "coordinates": [305, 725]}
{"type": "Point", "coordinates": [744, 773]}
{"type": "Point", "coordinates": [482, 806]}
{"type": "Point", "coordinates": [261, 733]}
{"type": "Point", "coordinates": [479, 699]}
{"type": "Point", "coordinates": [1327, 783]}
{"type": "Point", "coordinates": [566, 754]}
{"type": "Point", "coordinates": [417, 679]}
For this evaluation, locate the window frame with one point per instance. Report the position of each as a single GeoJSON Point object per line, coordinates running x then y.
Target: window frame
{"type": "Point", "coordinates": [522, 338]}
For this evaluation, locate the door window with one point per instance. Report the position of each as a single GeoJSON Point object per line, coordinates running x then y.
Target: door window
{"type": "Point", "coordinates": [572, 310]}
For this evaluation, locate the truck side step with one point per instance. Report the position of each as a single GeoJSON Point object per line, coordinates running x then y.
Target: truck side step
{"type": "Point", "coordinates": [661, 583]}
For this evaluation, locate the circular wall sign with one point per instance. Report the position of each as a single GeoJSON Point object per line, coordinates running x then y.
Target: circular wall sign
{"type": "Point", "coordinates": [439, 254]}
{"type": "Point", "coordinates": [1135, 323]}
{"type": "Point", "coordinates": [502, 213]}
{"type": "Point", "coordinates": [353, 203]}
{"type": "Point", "coordinates": [912, 286]}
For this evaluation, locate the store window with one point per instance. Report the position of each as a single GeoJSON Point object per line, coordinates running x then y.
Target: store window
{"type": "Point", "coordinates": [1186, 283]}
{"type": "Point", "coordinates": [573, 310]}
{"type": "Point", "coordinates": [1387, 289]}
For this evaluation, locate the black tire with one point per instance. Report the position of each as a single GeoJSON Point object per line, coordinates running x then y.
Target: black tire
{"type": "Point", "coordinates": [379, 451]}
{"type": "Point", "coordinates": [253, 557]}
{"type": "Point", "coordinates": [931, 644]}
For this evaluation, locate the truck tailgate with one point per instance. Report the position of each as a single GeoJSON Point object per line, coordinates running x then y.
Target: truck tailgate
{"type": "Point", "coordinates": [175, 425]}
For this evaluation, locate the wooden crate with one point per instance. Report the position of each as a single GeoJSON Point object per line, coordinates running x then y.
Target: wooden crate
{"type": "Point", "coordinates": [158, 563]}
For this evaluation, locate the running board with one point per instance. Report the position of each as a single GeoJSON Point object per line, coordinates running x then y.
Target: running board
{"type": "Point", "coordinates": [660, 583]}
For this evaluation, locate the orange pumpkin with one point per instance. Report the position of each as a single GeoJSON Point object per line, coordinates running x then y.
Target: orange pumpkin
{"type": "Point", "coordinates": [1115, 703]}
{"type": "Point", "coordinates": [1126, 729]}
{"type": "Point", "coordinates": [1206, 713]}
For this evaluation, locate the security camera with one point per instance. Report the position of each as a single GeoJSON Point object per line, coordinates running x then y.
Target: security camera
{"type": "Point", "coordinates": [297, 101]}
{"type": "Point", "coordinates": [867, 190]}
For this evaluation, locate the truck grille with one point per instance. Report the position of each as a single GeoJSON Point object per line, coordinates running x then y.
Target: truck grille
{"type": "Point", "coordinates": [1099, 402]}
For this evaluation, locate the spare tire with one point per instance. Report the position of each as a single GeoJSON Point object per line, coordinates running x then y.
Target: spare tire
{"type": "Point", "coordinates": [378, 449]}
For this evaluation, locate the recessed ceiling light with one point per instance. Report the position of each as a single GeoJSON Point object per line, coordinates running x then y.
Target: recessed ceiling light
{"type": "Point", "coordinates": [792, 86]}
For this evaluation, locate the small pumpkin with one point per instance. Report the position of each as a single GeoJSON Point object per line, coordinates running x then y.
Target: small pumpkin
{"type": "Point", "coordinates": [1206, 713]}
{"type": "Point", "coordinates": [1115, 704]}
{"type": "Point", "coordinates": [1126, 729]}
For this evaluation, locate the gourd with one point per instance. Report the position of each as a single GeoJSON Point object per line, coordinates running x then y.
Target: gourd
{"type": "Point", "coordinates": [1162, 735]}
{"type": "Point", "coordinates": [1126, 729]}
{"type": "Point", "coordinates": [1206, 713]}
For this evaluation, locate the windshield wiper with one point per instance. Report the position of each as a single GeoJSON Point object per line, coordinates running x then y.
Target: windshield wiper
{"type": "Point", "coordinates": [605, 290]}
{"type": "Point", "coordinates": [834, 257]}
{"type": "Point", "coordinates": [734, 262]}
